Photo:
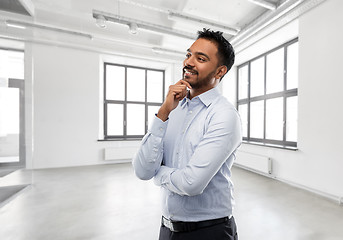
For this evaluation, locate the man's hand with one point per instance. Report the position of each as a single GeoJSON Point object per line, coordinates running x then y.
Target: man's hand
{"type": "Point", "coordinates": [175, 94]}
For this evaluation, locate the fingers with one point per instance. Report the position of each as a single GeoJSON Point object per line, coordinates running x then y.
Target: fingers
{"type": "Point", "coordinates": [175, 94]}
{"type": "Point", "coordinates": [179, 91]}
{"type": "Point", "coordinates": [180, 96]}
{"type": "Point", "coordinates": [178, 88]}
{"type": "Point", "coordinates": [183, 82]}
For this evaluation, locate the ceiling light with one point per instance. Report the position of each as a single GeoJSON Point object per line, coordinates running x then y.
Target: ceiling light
{"type": "Point", "coordinates": [100, 21]}
{"type": "Point", "coordinates": [215, 25]}
{"type": "Point", "coordinates": [109, 17]}
{"type": "Point", "coordinates": [14, 25]}
{"type": "Point", "coordinates": [265, 4]}
{"type": "Point", "coordinates": [133, 28]}
{"type": "Point", "coordinates": [21, 24]}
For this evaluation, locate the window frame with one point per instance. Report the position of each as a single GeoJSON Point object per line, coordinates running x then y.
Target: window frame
{"type": "Point", "coordinates": [19, 83]}
{"type": "Point", "coordinates": [285, 94]}
{"type": "Point", "coordinates": [125, 102]}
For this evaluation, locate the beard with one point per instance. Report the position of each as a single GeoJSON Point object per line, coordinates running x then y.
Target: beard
{"type": "Point", "coordinates": [195, 81]}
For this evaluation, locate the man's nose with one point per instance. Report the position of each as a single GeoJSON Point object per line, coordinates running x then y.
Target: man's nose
{"type": "Point", "coordinates": [189, 62]}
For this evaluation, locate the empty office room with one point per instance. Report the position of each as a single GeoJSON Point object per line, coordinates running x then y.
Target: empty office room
{"type": "Point", "coordinates": [131, 119]}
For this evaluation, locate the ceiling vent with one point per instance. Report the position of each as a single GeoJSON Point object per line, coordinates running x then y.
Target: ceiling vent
{"type": "Point", "coordinates": [23, 7]}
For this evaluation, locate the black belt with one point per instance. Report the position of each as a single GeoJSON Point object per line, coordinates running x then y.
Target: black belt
{"type": "Point", "coordinates": [177, 226]}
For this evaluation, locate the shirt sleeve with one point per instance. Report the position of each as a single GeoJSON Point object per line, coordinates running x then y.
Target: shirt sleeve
{"type": "Point", "coordinates": [221, 139]}
{"type": "Point", "coordinates": [147, 160]}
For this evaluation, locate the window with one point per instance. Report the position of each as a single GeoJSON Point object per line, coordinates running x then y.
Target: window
{"type": "Point", "coordinates": [12, 102]}
{"type": "Point", "coordinates": [267, 96]}
{"type": "Point", "coordinates": [132, 96]}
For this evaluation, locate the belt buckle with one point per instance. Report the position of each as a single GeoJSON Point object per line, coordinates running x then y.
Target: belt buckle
{"type": "Point", "coordinates": [171, 227]}
{"type": "Point", "coordinates": [168, 223]}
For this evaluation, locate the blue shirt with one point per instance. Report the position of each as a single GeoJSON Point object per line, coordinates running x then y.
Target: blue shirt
{"type": "Point", "coordinates": [190, 156]}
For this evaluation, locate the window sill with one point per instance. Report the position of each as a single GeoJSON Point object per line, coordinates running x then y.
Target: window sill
{"type": "Point", "coordinates": [270, 145]}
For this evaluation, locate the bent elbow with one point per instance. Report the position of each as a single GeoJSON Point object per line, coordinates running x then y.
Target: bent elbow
{"type": "Point", "coordinates": [144, 175]}
{"type": "Point", "coordinates": [193, 190]}
{"type": "Point", "coordinates": [141, 172]}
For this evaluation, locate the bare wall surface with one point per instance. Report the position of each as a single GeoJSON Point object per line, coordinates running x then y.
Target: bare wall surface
{"type": "Point", "coordinates": [320, 97]}
{"type": "Point", "coordinates": [65, 107]}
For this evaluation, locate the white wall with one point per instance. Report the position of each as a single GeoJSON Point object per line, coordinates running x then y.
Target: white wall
{"type": "Point", "coordinates": [320, 97]}
{"type": "Point", "coordinates": [318, 163]}
{"type": "Point", "coordinates": [65, 103]}
{"type": "Point", "coordinates": [66, 86]}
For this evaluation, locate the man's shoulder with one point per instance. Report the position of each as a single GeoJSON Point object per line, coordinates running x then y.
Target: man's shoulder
{"type": "Point", "coordinates": [222, 104]}
{"type": "Point", "coordinates": [223, 110]}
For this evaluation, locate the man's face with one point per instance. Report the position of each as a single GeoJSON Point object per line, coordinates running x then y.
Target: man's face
{"type": "Point", "coordinates": [200, 68]}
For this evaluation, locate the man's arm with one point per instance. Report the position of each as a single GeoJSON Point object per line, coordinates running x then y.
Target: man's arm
{"type": "Point", "coordinates": [175, 94]}
{"type": "Point", "coordinates": [222, 138]}
{"type": "Point", "coordinates": [148, 159]}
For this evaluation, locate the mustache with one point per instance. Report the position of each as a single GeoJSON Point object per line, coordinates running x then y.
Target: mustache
{"type": "Point", "coordinates": [190, 69]}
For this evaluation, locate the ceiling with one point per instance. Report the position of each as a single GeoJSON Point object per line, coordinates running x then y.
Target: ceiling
{"type": "Point", "coordinates": [72, 22]}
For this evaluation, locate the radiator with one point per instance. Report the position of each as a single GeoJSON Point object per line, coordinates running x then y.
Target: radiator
{"type": "Point", "coordinates": [254, 162]}
{"type": "Point", "coordinates": [119, 154]}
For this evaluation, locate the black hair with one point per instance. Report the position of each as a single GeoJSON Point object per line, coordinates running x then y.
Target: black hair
{"type": "Point", "coordinates": [226, 54]}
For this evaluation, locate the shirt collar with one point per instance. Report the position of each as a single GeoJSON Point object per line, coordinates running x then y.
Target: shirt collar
{"type": "Point", "coordinates": [206, 98]}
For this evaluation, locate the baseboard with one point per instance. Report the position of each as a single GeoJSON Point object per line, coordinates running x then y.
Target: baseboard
{"type": "Point", "coordinates": [330, 197]}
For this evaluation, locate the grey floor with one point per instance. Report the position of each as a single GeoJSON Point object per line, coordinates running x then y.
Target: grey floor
{"type": "Point", "coordinates": [108, 203]}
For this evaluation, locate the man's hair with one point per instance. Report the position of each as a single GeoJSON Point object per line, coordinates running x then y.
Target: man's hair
{"type": "Point", "coordinates": [226, 54]}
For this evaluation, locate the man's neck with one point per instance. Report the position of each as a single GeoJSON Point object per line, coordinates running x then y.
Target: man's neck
{"type": "Point", "coordinates": [196, 92]}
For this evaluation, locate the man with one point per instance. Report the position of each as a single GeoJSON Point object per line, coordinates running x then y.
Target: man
{"type": "Point", "coordinates": [190, 147]}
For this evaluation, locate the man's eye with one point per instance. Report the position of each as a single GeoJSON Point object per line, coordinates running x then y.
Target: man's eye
{"type": "Point", "coordinates": [188, 55]}
{"type": "Point", "coordinates": [202, 59]}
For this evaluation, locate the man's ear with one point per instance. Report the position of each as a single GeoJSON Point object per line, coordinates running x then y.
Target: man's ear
{"type": "Point", "coordinates": [221, 71]}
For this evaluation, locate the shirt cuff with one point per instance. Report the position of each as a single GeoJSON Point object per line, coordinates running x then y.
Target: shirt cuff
{"type": "Point", "coordinates": [158, 127]}
{"type": "Point", "coordinates": [163, 176]}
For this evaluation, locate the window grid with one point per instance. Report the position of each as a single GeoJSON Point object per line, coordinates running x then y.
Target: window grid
{"type": "Point", "coordinates": [126, 102]}
{"type": "Point", "coordinates": [285, 94]}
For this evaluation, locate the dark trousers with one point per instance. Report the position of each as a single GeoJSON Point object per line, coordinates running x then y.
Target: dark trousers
{"type": "Point", "coordinates": [222, 231]}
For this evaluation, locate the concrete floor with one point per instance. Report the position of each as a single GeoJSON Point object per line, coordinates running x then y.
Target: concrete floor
{"type": "Point", "coordinates": [108, 203]}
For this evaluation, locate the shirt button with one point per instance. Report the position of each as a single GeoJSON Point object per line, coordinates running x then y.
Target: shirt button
{"type": "Point", "coordinates": [190, 112]}
{"type": "Point", "coordinates": [161, 129]}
